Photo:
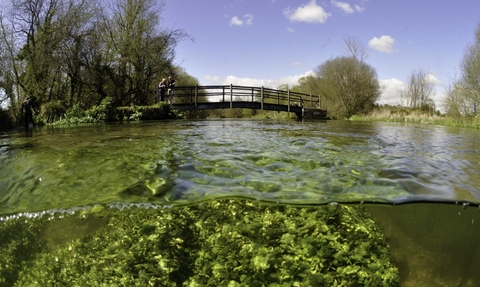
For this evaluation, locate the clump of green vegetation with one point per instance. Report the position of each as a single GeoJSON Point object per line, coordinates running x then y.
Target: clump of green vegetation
{"type": "Point", "coordinates": [105, 112]}
{"type": "Point", "coordinates": [418, 116]}
{"type": "Point", "coordinates": [52, 111]}
{"type": "Point", "coordinates": [223, 243]}
{"type": "Point", "coordinates": [20, 241]}
{"type": "Point", "coordinates": [245, 244]}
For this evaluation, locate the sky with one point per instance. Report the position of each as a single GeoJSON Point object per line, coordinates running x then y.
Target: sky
{"type": "Point", "coordinates": [273, 42]}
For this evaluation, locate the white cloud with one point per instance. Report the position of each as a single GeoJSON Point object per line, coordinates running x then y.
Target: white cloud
{"type": "Point", "coordinates": [236, 21]}
{"type": "Point", "coordinates": [432, 79]}
{"type": "Point", "coordinates": [289, 29]}
{"type": "Point", "coordinates": [391, 91]}
{"type": "Point", "coordinates": [297, 64]}
{"type": "Point", "coordinates": [247, 20]}
{"type": "Point", "coordinates": [344, 6]}
{"type": "Point", "coordinates": [267, 83]}
{"type": "Point", "coordinates": [383, 44]}
{"type": "Point", "coordinates": [310, 12]}
{"type": "Point", "coordinates": [359, 9]}
{"type": "Point", "coordinates": [214, 79]}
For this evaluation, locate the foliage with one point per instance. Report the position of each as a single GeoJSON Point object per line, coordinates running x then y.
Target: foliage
{"type": "Point", "coordinates": [220, 243]}
{"type": "Point", "coordinates": [103, 112]}
{"type": "Point", "coordinates": [351, 85]}
{"type": "Point", "coordinates": [74, 52]}
{"type": "Point", "coordinates": [347, 85]}
{"type": "Point", "coordinates": [470, 66]}
{"type": "Point", "coordinates": [75, 111]}
{"type": "Point", "coordinates": [465, 91]}
{"type": "Point", "coordinates": [410, 115]}
{"type": "Point", "coordinates": [20, 241]}
{"type": "Point", "coordinates": [52, 111]}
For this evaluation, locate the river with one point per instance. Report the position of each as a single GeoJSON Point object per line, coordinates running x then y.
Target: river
{"type": "Point", "coordinates": [420, 183]}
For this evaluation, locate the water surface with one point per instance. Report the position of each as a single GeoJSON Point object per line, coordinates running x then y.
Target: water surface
{"type": "Point", "coordinates": [184, 162]}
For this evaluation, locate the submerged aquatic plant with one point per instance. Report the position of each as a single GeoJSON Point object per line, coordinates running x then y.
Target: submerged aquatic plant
{"type": "Point", "coordinates": [223, 243]}
{"type": "Point", "coordinates": [20, 241]}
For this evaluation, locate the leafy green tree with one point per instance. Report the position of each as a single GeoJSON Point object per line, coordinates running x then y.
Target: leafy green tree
{"type": "Point", "coordinates": [347, 85]}
{"type": "Point", "coordinates": [140, 50]}
{"type": "Point", "coordinates": [66, 53]}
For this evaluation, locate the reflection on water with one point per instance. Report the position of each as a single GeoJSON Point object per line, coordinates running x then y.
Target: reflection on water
{"type": "Point", "coordinates": [170, 164]}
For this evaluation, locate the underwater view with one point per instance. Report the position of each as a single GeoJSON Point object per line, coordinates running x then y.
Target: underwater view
{"type": "Point", "coordinates": [240, 203]}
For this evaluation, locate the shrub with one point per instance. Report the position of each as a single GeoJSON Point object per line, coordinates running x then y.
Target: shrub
{"type": "Point", "coordinates": [103, 112]}
{"type": "Point", "coordinates": [52, 111]}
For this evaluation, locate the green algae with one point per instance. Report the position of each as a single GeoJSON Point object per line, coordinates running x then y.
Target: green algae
{"type": "Point", "coordinates": [217, 243]}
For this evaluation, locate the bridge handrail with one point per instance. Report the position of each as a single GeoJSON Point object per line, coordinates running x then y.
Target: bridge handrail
{"type": "Point", "coordinates": [230, 93]}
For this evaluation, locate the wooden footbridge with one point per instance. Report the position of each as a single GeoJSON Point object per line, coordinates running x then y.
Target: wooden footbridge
{"type": "Point", "coordinates": [190, 98]}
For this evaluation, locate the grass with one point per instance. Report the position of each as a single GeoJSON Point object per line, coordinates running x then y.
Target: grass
{"type": "Point", "coordinates": [419, 117]}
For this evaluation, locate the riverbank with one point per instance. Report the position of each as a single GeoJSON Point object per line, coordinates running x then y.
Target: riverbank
{"type": "Point", "coordinates": [418, 117]}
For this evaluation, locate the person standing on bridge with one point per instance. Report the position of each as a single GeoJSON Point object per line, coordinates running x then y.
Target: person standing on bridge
{"type": "Point", "coordinates": [162, 87]}
{"type": "Point", "coordinates": [170, 86]}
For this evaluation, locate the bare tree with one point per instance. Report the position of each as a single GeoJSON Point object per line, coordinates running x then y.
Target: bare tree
{"type": "Point", "coordinates": [457, 101]}
{"type": "Point", "coordinates": [419, 90]}
{"type": "Point", "coordinates": [355, 48]}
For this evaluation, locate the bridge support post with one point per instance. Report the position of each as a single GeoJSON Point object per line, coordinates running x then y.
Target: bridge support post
{"type": "Point", "coordinates": [196, 96]}
{"type": "Point", "coordinates": [311, 103]}
{"type": "Point", "coordinates": [288, 100]}
{"type": "Point", "coordinates": [231, 96]}
{"type": "Point", "coordinates": [262, 97]}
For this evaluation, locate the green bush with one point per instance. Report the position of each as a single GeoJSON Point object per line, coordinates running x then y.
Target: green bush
{"type": "Point", "coordinates": [103, 112]}
{"type": "Point", "coordinates": [75, 112]}
{"type": "Point", "coordinates": [52, 111]}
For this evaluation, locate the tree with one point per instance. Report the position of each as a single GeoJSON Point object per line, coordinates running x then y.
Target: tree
{"type": "Point", "coordinates": [349, 85]}
{"type": "Point", "coordinates": [419, 90]}
{"type": "Point", "coordinates": [355, 48]}
{"type": "Point", "coordinates": [470, 69]}
{"type": "Point", "coordinates": [139, 51]}
{"type": "Point", "coordinates": [67, 53]}
{"type": "Point", "coordinates": [457, 101]}
{"type": "Point", "coordinates": [465, 91]}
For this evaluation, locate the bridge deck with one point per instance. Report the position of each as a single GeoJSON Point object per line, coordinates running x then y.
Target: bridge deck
{"type": "Point", "coordinates": [226, 97]}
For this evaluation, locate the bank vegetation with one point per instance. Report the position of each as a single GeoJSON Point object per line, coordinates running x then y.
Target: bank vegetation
{"type": "Point", "coordinates": [71, 55]}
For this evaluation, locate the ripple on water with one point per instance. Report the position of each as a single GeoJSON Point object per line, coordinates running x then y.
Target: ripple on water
{"type": "Point", "coordinates": [178, 162]}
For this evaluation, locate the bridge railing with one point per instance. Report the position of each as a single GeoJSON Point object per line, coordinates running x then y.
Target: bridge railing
{"type": "Point", "coordinates": [194, 95]}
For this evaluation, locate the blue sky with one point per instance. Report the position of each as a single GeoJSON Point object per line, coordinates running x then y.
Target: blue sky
{"type": "Point", "coordinates": [274, 42]}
